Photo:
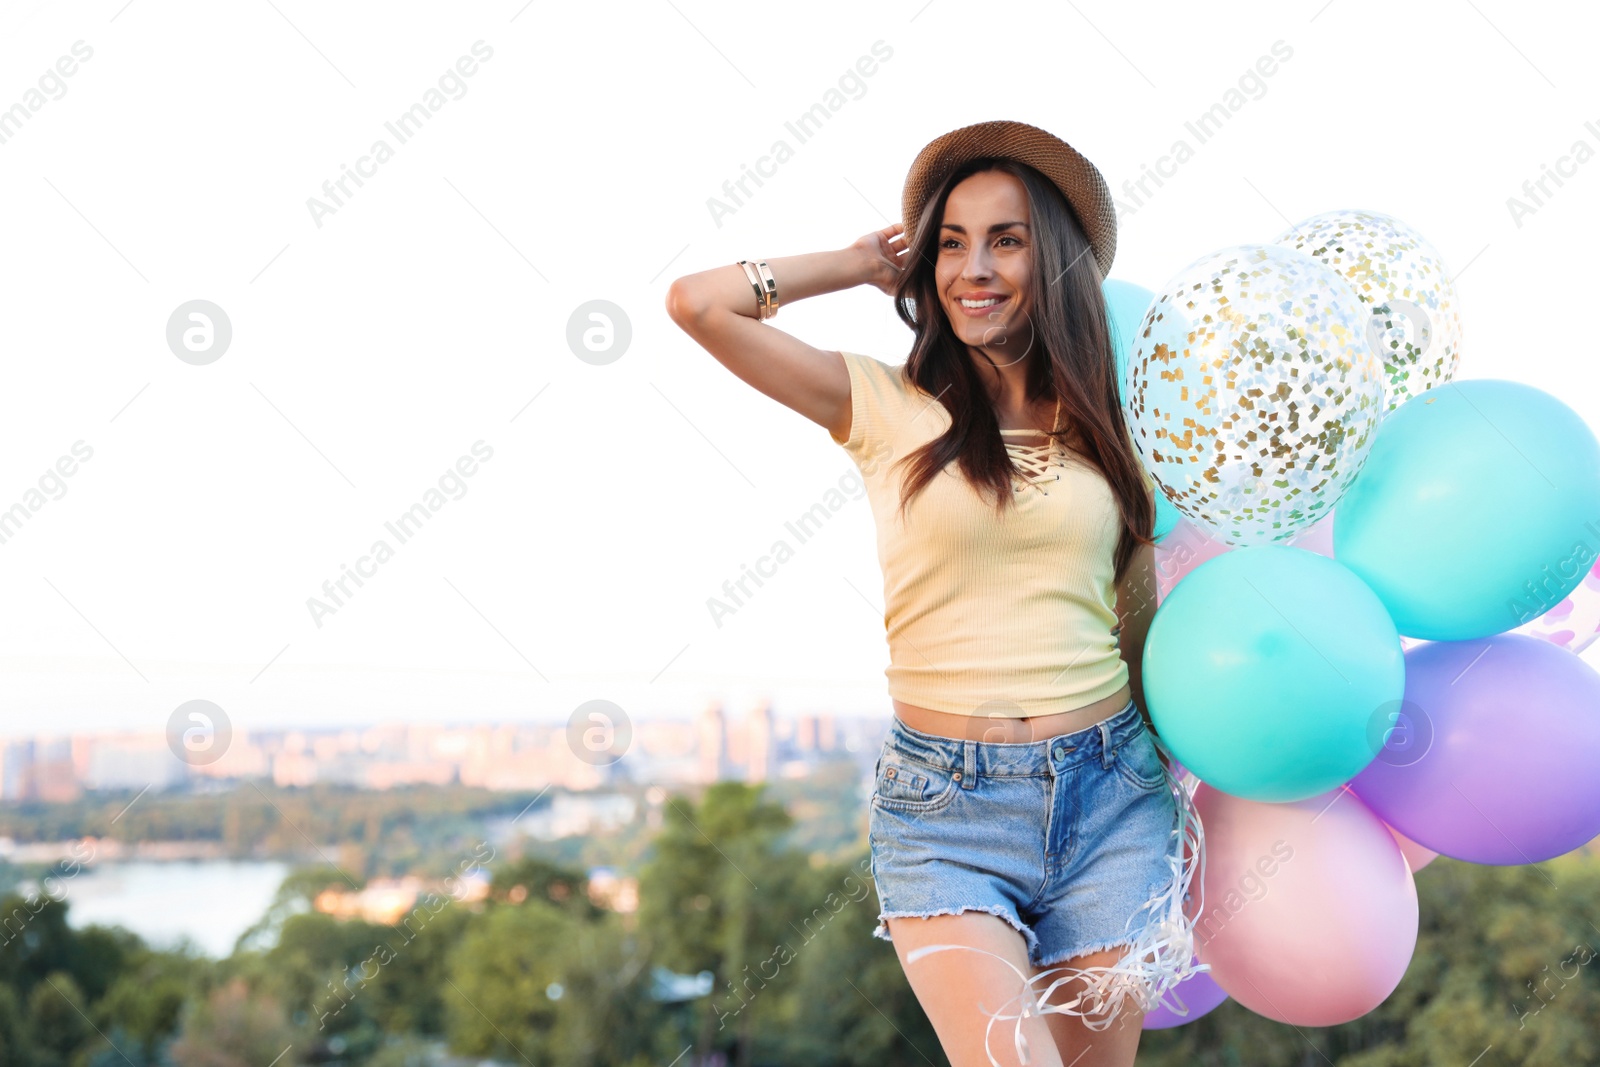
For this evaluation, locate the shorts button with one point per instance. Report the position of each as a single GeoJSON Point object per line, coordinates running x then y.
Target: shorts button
{"type": "Point", "coordinates": [889, 773]}
{"type": "Point", "coordinates": [1061, 753]}
{"type": "Point", "coordinates": [957, 776]}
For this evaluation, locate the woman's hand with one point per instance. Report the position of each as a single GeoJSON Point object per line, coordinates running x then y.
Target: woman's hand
{"type": "Point", "coordinates": [884, 251]}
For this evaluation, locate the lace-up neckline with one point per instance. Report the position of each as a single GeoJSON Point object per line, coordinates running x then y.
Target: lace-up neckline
{"type": "Point", "coordinates": [1034, 461]}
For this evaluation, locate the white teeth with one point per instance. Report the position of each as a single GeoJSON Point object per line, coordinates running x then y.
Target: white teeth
{"type": "Point", "coordinates": [980, 303]}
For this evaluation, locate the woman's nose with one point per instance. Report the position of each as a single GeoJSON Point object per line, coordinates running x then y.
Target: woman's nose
{"type": "Point", "coordinates": [977, 265]}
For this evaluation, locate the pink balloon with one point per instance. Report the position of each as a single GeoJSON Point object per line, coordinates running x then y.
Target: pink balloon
{"type": "Point", "coordinates": [1417, 856]}
{"type": "Point", "coordinates": [1317, 538]}
{"type": "Point", "coordinates": [1309, 912]}
{"type": "Point", "coordinates": [1185, 547]}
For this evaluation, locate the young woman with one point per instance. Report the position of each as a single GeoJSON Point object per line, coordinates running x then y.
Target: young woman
{"type": "Point", "coordinates": [1021, 808]}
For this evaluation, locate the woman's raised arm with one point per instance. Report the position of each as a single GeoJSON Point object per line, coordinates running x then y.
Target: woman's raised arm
{"type": "Point", "coordinates": [717, 307]}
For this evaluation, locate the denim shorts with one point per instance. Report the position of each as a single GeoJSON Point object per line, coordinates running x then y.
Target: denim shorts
{"type": "Point", "coordinates": [1077, 841]}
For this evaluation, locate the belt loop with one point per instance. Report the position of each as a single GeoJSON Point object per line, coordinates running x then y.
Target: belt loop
{"type": "Point", "coordinates": [969, 764]}
{"type": "Point", "coordinates": [1106, 750]}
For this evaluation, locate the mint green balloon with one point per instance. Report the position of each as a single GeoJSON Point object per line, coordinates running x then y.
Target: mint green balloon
{"type": "Point", "coordinates": [1126, 304]}
{"type": "Point", "coordinates": [1273, 672]}
{"type": "Point", "coordinates": [1478, 509]}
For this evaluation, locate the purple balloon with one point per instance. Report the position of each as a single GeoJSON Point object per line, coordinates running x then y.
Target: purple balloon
{"type": "Point", "coordinates": [1493, 753]}
{"type": "Point", "coordinates": [1199, 994]}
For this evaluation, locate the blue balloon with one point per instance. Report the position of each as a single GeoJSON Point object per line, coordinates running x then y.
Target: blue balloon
{"type": "Point", "coordinates": [1264, 669]}
{"type": "Point", "coordinates": [1477, 510]}
{"type": "Point", "coordinates": [1126, 304]}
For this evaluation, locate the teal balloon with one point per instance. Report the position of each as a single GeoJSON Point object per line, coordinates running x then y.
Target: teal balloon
{"type": "Point", "coordinates": [1167, 516]}
{"type": "Point", "coordinates": [1126, 304]}
{"type": "Point", "coordinates": [1266, 669]}
{"type": "Point", "coordinates": [1478, 509]}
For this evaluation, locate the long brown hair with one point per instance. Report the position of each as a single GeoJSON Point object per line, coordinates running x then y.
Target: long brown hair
{"type": "Point", "coordinates": [1071, 334]}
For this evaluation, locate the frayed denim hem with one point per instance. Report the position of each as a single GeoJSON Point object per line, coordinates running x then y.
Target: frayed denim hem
{"type": "Point", "coordinates": [882, 929]}
{"type": "Point", "coordinates": [1125, 941]}
{"type": "Point", "coordinates": [1160, 953]}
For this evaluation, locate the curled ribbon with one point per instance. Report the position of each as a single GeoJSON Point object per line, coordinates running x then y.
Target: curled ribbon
{"type": "Point", "coordinates": [1161, 956]}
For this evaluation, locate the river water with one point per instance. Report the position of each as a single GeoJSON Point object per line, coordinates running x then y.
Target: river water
{"type": "Point", "coordinates": [211, 902]}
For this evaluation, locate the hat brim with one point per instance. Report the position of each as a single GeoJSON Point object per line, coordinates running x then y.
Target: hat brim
{"type": "Point", "coordinates": [1068, 169]}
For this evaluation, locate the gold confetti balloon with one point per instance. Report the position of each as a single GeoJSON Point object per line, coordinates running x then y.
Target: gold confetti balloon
{"type": "Point", "coordinates": [1252, 394]}
{"type": "Point", "coordinates": [1414, 322]}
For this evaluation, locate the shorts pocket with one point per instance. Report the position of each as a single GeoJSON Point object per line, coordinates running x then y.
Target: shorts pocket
{"type": "Point", "coordinates": [1139, 763]}
{"type": "Point", "coordinates": [905, 784]}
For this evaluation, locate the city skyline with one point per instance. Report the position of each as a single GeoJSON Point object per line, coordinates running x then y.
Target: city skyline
{"type": "Point", "coordinates": [752, 746]}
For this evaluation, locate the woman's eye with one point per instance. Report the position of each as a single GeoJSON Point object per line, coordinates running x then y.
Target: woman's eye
{"type": "Point", "coordinates": [949, 242]}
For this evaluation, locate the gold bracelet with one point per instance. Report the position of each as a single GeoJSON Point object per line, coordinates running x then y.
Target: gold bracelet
{"type": "Point", "coordinates": [755, 284]}
{"type": "Point", "coordinates": [771, 287]}
{"type": "Point", "coordinates": [765, 286]}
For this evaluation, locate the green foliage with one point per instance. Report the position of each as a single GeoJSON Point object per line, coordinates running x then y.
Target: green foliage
{"type": "Point", "coordinates": [391, 831]}
{"type": "Point", "coordinates": [849, 1003]}
{"type": "Point", "coordinates": [145, 1000]}
{"type": "Point", "coordinates": [1504, 970]}
{"type": "Point", "coordinates": [722, 894]}
{"type": "Point", "coordinates": [56, 1008]}
{"type": "Point", "coordinates": [235, 1027]}
{"type": "Point", "coordinates": [294, 896]}
{"type": "Point", "coordinates": [16, 1035]}
{"type": "Point", "coordinates": [527, 877]}
{"type": "Point", "coordinates": [536, 981]}
{"type": "Point", "coordinates": [501, 979]}
{"type": "Point", "coordinates": [35, 941]}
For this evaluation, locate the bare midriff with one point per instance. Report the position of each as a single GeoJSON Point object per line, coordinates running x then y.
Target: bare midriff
{"type": "Point", "coordinates": [1008, 730]}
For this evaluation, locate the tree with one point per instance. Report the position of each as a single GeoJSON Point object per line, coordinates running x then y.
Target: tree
{"type": "Point", "coordinates": [294, 896]}
{"type": "Point", "coordinates": [16, 1036]}
{"type": "Point", "coordinates": [850, 1003]}
{"type": "Point", "coordinates": [144, 1004]}
{"type": "Point", "coordinates": [56, 1008]}
{"type": "Point", "coordinates": [721, 894]}
{"type": "Point", "coordinates": [535, 981]}
{"type": "Point", "coordinates": [503, 981]}
{"type": "Point", "coordinates": [236, 1027]}
{"type": "Point", "coordinates": [536, 877]}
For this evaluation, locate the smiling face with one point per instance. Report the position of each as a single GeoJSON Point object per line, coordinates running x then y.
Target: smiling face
{"type": "Point", "coordinates": [986, 259]}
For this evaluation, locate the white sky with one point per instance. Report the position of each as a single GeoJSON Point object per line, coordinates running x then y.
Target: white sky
{"type": "Point", "coordinates": [372, 352]}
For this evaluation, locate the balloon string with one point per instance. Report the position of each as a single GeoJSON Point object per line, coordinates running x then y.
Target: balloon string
{"type": "Point", "coordinates": [1161, 955]}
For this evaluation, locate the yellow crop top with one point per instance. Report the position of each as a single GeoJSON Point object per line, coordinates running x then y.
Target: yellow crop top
{"type": "Point", "coordinates": [1006, 615]}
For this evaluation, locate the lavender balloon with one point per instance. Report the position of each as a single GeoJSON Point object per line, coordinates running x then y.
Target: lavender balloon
{"type": "Point", "coordinates": [1493, 751]}
{"type": "Point", "coordinates": [1199, 994]}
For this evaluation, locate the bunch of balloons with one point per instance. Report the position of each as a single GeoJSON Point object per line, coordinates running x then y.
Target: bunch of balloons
{"type": "Point", "coordinates": [1374, 581]}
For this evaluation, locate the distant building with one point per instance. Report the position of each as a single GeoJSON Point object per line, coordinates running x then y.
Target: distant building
{"type": "Point", "coordinates": [760, 744]}
{"type": "Point", "coordinates": [805, 733]}
{"type": "Point", "coordinates": [827, 734]}
{"type": "Point", "coordinates": [389, 900]}
{"type": "Point", "coordinates": [575, 815]}
{"type": "Point", "coordinates": [713, 743]}
{"type": "Point", "coordinates": [16, 769]}
{"type": "Point", "coordinates": [54, 778]}
{"type": "Point", "coordinates": [702, 749]}
{"type": "Point", "coordinates": [131, 761]}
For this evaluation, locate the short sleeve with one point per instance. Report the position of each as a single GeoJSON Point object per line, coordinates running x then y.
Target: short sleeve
{"type": "Point", "coordinates": [878, 402]}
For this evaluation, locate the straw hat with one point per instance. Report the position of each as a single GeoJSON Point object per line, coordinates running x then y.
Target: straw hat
{"type": "Point", "coordinates": [1077, 178]}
